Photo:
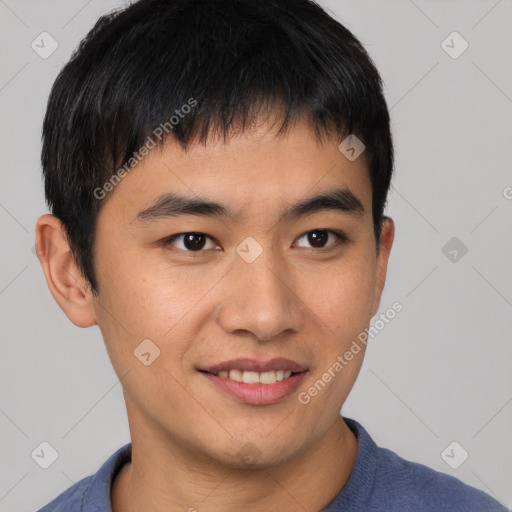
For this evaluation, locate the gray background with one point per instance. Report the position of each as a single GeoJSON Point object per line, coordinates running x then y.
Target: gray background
{"type": "Point", "coordinates": [439, 372]}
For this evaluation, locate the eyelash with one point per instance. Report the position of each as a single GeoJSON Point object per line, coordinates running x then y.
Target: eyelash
{"type": "Point", "coordinates": [341, 239]}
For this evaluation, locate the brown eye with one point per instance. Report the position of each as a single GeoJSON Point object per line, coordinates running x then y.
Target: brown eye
{"type": "Point", "coordinates": [190, 242]}
{"type": "Point", "coordinates": [318, 238]}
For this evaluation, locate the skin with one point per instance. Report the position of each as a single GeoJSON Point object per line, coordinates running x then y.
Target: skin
{"type": "Point", "coordinates": [202, 308]}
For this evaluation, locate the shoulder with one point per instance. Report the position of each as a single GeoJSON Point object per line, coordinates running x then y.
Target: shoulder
{"type": "Point", "coordinates": [381, 481]}
{"type": "Point", "coordinates": [70, 499]}
{"type": "Point", "coordinates": [92, 493]}
{"type": "Point", "coordinates": [414, 486]}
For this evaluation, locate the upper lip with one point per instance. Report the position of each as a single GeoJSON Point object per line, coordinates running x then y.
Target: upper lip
{"type": "Point", "coordinates": [253, 365]}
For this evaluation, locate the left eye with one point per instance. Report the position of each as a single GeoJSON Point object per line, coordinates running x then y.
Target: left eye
{"type": "Point", "coordinates": [318, 237]}
{"type": "Point", "coordinates": [195, 242]}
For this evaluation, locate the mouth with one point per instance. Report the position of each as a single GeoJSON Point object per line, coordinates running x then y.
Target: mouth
{"type": "Point", "coordinates": [253, 371]}
{"type": "Point", "coordinates": [252, 377]}
{"type": "Point", "coordinates": [256, 382]}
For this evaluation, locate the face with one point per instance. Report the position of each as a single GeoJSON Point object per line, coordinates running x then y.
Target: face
{"type": "Point", "coordinates": [250, 278]}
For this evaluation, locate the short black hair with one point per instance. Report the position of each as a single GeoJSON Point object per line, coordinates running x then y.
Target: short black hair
{"type": "Point", "coordinates": [228, 61]}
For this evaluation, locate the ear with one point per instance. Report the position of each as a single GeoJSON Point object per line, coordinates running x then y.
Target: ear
{"type": "Point", "coordinates": [387, 236]}
{"type": "Point", "coordinates": [66, 283]}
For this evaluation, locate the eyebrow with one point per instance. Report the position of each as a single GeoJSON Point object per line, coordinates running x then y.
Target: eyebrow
{"type": "Point", "coordinates": [173, 205]}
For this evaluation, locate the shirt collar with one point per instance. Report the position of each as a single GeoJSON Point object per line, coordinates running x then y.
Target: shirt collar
{"type": "Point", "coordinates": [359, 487]}
{"type": "Point", "coordinates": [97, 494]}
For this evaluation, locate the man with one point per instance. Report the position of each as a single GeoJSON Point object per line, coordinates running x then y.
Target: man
{"type": "Point", "coordinates": [217, 172]}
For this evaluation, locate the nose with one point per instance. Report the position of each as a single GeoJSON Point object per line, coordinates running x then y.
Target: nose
{"type": "Point", "coordinates": [260, 299]}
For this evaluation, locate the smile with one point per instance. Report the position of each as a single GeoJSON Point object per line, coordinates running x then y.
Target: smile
{"type": "Point", "coordinates": [255, 388]}
{"type": "Point", "coordinates": [270, 377]}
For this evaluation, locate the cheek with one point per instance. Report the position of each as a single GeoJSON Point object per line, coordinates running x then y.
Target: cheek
{"type": "Point", "coordinates": [140, 300]}
{"type": "Point", "coordinates": [342, 297]}
{"type": "Point", "coordinates": [342, 302]}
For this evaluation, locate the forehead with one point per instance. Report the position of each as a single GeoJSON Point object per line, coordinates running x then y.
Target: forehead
{"type": "Point", "coordinates": [253, 170]}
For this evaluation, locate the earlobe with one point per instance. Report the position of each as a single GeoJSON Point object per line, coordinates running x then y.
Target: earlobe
{"type": "Point", "coordinates": [66, 283]}
{"type": "Point", "coordinates": [386, 242]}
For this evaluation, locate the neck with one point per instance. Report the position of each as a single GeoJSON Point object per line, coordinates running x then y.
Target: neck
{"type": "Point", "coordinates": [172, 479]}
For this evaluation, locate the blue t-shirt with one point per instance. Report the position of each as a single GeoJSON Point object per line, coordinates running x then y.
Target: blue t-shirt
{"type": "Point", "coordinates": [380, 481]}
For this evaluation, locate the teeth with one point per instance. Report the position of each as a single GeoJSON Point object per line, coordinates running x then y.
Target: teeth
{"type": "Point", "coordinates": [250, 377]}
{"type": "Point", "coordinates": [235, 375]}
{"type": "Point", "coordinates": [266, 377]}
{"type": "Point", "coordinates": [255, 377]}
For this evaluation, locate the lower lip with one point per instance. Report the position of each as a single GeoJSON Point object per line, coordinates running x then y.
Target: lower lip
{"type": "Point", "coordinates": [257, 394]}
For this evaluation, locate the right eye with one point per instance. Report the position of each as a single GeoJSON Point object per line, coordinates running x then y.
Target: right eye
{"type": "Point", "coordinates": [188, 242]}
